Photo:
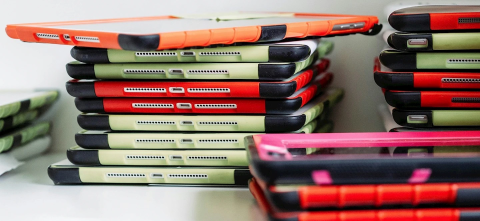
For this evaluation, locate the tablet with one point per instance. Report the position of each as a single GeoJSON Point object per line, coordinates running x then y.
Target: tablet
{"type": "Point", "coordinates": [437, 118]}
{"type": "Point", "coordinates": [397, 60]}
{"type": "Point", "coordinates": [169, 140]}
{"type": "Point", "coordinates": [436, 18]}
{"type": "Point", "coordinates": [220, 123]}
{"type": "Point", "coordinates": [180, 31]}
{"type": "Point", "coordinates": [415, 80]}
{"type": "Point", "coordinates": [408, 214]}
{"type": "Point", "coordinates": [434, 41]}
{"type": "Point", "coordinates": [18, 120]}
{"type": "Point", "coordinates": [23, 135]}
{"type": "Point", "coordinates": [200, 105]}
{"type": "Point", "coordinates": [196, 88]}
{"type": "Point", "coordinates": [433, 99]}
{"type": "Point", "coordinates": [16, 101]}
{"type": "Point", "coordinates": [199, 71]}
{"type": "Point", "coordinates": [365, 158]}
{"type": "Point", "coordinates": [288, 51]}
{"type": "Point", "coordinates": [311, 197]}
{"type": "Point", "coordinates": [66, 173]}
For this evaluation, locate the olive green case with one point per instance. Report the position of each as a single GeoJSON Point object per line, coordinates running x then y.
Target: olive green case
{"type": "Point", "coordinates": [18, 120]}
{"type": "Point", "coordinates": [65, 173]}
{"type": "Point", "coordinates": [23, 135]}
{"type": "Point", "coordinates": [13, 102]}
{"type": "Point", "coordinates": [437, 118]}
{"type": "Point", "coordinates": [167, 140]}
{"type": "Point", "coordinates": [287, 51]}
{"type": "Point", "coordinates": [434, 41]}
{"type": "Point", "coordinates": [197, 71]}
{"type": "Point", "coordinates": [397, 60]}
{"type": "Point", "coordinates": [221, 123]}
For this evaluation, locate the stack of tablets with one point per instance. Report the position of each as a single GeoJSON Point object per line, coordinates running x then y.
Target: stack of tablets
{"type": "Point", "coordinates": [432, 78]}
{"type": "Point", "coordinates": [367, 176]}
{"type": "Point", "coordinates": [271, 87]}
{"type": "Point", "coordinates": [21, 135]}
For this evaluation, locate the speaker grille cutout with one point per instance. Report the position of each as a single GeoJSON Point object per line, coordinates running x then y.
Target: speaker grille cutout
{"type": "Point", "coordinates": [145, 90]}
{"type": "Point", "coordinates": [144, 157]}
{"type": "Point", "coordinates": [466, 100]}
{"type": "Point", "coordinates": [468, 20]}
{"type": "Point", "coordinates": [47, 36]}
{"type": "Point", "coordinates": [460, 80]}
{"type": "Point", "coordinates": [215, 106]}
{"type": "Point", "coordinates": [154, 122]}
{"type": "Point", "coordinates": [218, 123]}
{"type": "Point", "coordinates": [155, 140]}
{"type": "Point", "coordinates": [188, 176]}
{"type": "Point", "coordinates": [155, 54]}
{"type": "Point", "coordinates": [207, 157]}
{"type": "Point", "coordinates": [144, 71]}
{"type": "Point", "coordinates": [218, 141]}
{"type": "Point", "coordinates": [125, 175]}
{"type": "Point", "coordinates": [463, 61]}
{"type": "Point", "coordinates": [87, 39]}
{"type": "Point", "coordinates": [150, 105]}
{"type": "Point", "coordinates": [208, 90]}
{"type": "Point", "coordinates": [222, 53]}
{"type": "Point", "coordinates": [207, 71]}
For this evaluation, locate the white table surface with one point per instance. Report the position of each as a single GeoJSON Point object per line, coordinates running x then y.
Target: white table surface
{"type": "Point", "coordinates": [28, 194]}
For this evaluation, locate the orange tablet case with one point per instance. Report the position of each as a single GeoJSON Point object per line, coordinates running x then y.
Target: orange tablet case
{"type": "Point", "coordinates": [203, 31]}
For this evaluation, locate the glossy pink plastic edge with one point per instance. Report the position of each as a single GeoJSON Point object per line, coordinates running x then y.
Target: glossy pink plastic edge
{"type": "Point", "coordinates": [278, 143]}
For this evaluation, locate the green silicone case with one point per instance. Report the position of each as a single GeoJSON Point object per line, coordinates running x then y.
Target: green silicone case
{"type": "Point", "coordinates": [18, 119]}
{"type": "Point", "coordinates": [448, 60]}
{"type": "Point", "coordinates": [456, 41]}
{"type": "Point", "coordinates": [37, 99]}
{"type": "Point", "coordinates": [23, 135]}
{"type": "Point", "coordinates": [456, 117]}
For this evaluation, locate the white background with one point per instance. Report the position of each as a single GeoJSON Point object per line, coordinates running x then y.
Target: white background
{"type": "Point", "coordinates": [30, 65]}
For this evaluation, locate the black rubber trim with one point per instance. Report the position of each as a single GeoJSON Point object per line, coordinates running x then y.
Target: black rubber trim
{"type": "Point", "coordinates": [90, 55]}
{"type": "Point", "coordinates": [374, 30]}
{"type": "Point", "coordinates": [400, 117]}
{"type": "Point", "coordinates": [467, 197]}
{"type": "Point", "coordinates": [24, 105]}
{"type": "Point", "coordinates": [410, 22]}
{"type": "Point", "coordinates": [288, 53]}
{"type": "Point", "coordinates": [282, 106]}
{"type": "Point", "coordinates": [275, 124]}
{"type": "Point", "coordinates": [7, 124]}
{"type": "Point", "coordinates": [469, 216]}
{"type": "Point", "coordinates": [241, 177]}
{"type": "Point", "coordinates": [81, 89]}
{"type": "Point", "coordinates": [83, 157]}
{"type": "Point", "coordinates": [276, 71]}
{"type": "Point", "coordinates": [89, 105]}
{"type": "Point", "coordinates": [94, 122]}
{"type": "Point", "coordinates": [396, 60]}
{"type": "Point", "coordinates": [92, 141]}
{"type": "Point", "coordinates": [397, 80]}
{"type": "Point", "coordinates": [273, 33]}
{"type": "Point", "coordinates": [285, 201]}
{"type": "Point", "coordinates": [17, 140]}
{"type": "Point", "coordinates": [277, 90]}
{"type": "Point", "coordinates": [64, 175]}
{"type": "Point", "coordinates": [411, 99]}
{"type": "Point", "coordinates": [399, 41]}
{"type": "Point", "coordinates": [139, 42]}
{"type": "Point", "coordinates": [81, 71]}
{"type": "Point", "coordinates": [273, 218]}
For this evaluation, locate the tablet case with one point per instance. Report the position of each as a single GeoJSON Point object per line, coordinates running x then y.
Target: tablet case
{"type": "Point", "coordinates": [437, 118]}
{"type": "Point", "coordinates": [14, 102]}
{"type": "Point", "coordinates": [170, 140]}
{"type": "Point", "coordinates": [287, 51]}
{"type": "Point", "coordinates": [436, 18]}
{"type": "Point", "coordinates": [237, 123]}
{"type": "Point", "coordinates": [23, 135]}
{"type": "Point", "coordinates": [200, 89]}
{"type": "Point", "coordinates": [18, 120]}
{"type": "Point", "coordinates": [284, 159]}
{"type": "Point", "coordinates": [397, 60]}
{"type": "Point", "coordinates": [434, 41]}
{"type": "Point", "coordinates": [166, 32]}
{"type": "Point", "coordinates": [433, 99]}
{"type": "Point", "coordinates": [201, 105]}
